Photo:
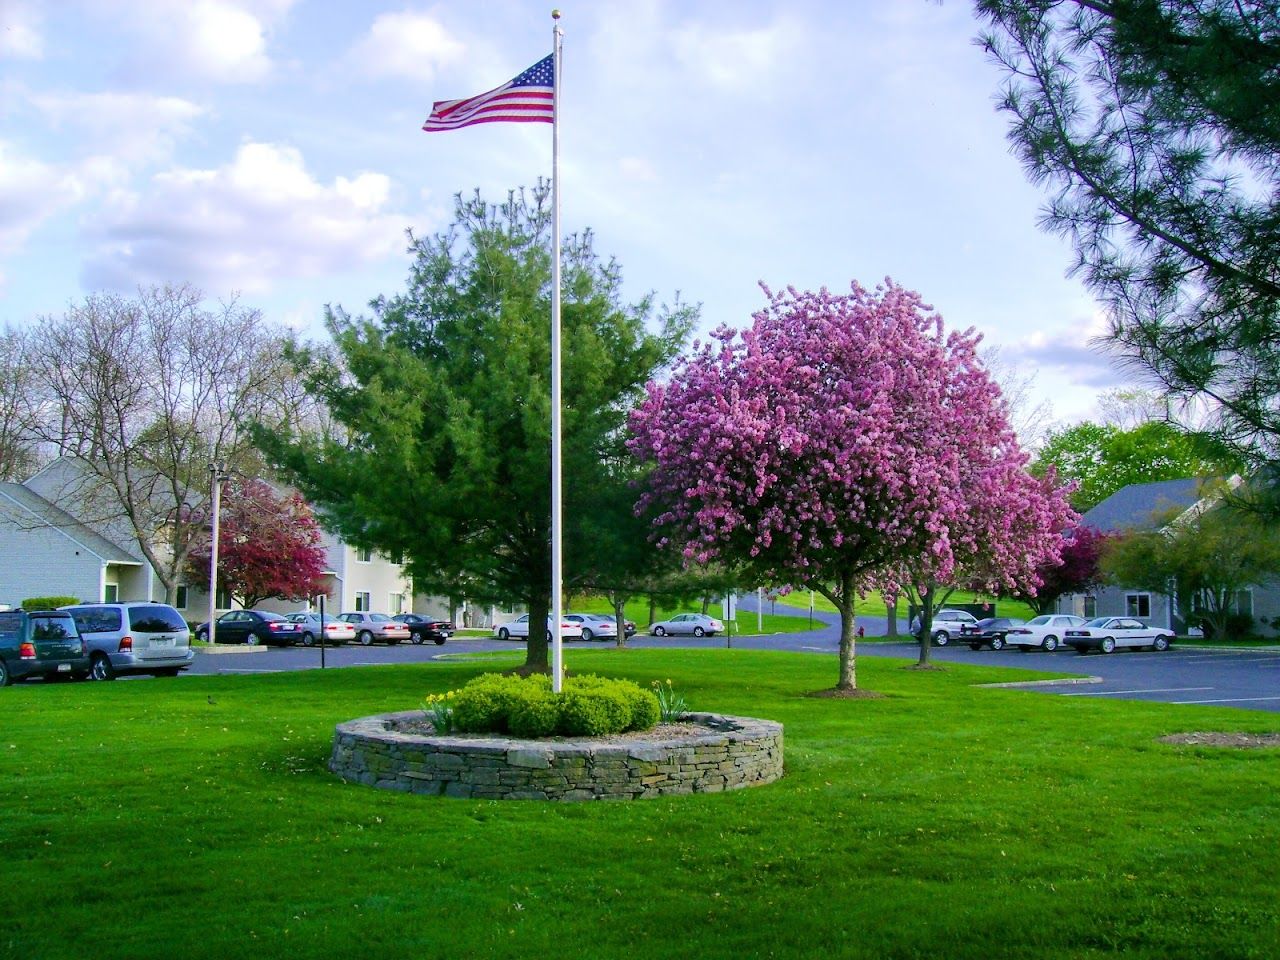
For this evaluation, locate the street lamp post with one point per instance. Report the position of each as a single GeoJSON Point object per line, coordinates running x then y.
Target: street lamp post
{"type": "Point", "coordinates": [216, 478]}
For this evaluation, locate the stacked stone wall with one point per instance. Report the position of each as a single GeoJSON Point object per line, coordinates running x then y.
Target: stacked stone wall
{"type": "Point", "coordinates": [384, 751]}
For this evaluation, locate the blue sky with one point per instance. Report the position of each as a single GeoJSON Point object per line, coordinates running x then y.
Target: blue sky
{"type": "Point", "coordinates": [272, 148]}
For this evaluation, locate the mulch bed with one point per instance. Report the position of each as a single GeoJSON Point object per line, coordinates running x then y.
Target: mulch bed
{"type": "Point", "coordinates": [856, 694]}
{"type": "Point", "coordinates": [1209, 739]}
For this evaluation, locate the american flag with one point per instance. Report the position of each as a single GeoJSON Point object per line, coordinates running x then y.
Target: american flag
{"type": "Point", "coordinates": [528, 98]}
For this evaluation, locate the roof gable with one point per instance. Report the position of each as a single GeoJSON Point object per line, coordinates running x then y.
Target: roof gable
{"type": "Point", "coordinates": [1140, 506]}
{"type": "Point", "coordinates": [42, 512]}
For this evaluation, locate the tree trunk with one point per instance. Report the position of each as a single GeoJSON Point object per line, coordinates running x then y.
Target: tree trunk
{"type": "Point", "coordinates": [891, 630]}
{"type": "Point", "coordinates": [653, 608]}
{"type": "Point", "coordinates": [620, 617]}
{"type": "Point", "coordinates": [848, 652]}
{"type": "Point", "coordinates": [926, 625]}
{"type": "Point", "coordinates": [537, 657]}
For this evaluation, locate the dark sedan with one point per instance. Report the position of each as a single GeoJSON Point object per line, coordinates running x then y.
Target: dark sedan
{"type": "Point", "coordinates": [422, 629]}
{"type": "Point", "coordinates": [252, 627]}
{"type": "Point", "coordinates": [991, 632]}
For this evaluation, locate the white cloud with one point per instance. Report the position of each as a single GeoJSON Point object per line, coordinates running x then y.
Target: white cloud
{"type": "Point", "coordinates": [736, 60]}
{"type": "Point", "coordinates": [638, 169]}
{"type": "Point", "coordinates": [219, 40]}
{"type": "Point", "coordinates": [30, 193]}
{"type": "Point", "coordinates": [20, 37]}
{"type": "Point", "coordinates": [1078, 353]}
{"type": "Point", "coordinates": [120, 129]}
{"type": "Point", "coordinates": [260, 219]}
{"type": "Point", "coordinates": [407, 45]}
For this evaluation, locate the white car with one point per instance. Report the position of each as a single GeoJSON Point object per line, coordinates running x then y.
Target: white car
{"type": "Point", "coordinates": [594, 625]}
{"type": "Point", "coordinates": [375, 626]}
{"type": "Point", "coordinates": [1108, 633]}
{"type": "Point", "coordinates": [947, 625]}
{"type": "Point", "coordinates": [697, 624]}
{"type": "Point", "coordinates": [335, 631]}
{"type": "Point", "coordinates": [519, 628]}
{"type": "Point", "coordinates": [1044, 632]}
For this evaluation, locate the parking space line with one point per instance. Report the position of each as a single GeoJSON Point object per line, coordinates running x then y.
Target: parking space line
{"type": "Point", "coordinates": [1116, 693]}
{"type": "Point", "coordinates": [1228, 700]}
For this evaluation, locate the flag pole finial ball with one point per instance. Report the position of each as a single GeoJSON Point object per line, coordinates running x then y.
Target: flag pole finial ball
{"type": "Point", "coordinates": [555, 14]}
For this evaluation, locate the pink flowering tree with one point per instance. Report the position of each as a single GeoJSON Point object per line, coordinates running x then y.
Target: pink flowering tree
{"type": "Point", "coordinates": [831, 445]}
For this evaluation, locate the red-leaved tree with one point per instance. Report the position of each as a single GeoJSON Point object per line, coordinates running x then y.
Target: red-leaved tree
{"type": "Point", "coordinates": [831, 445]}
{"type": "Point", "coordinates": [1079, 571]}
{"type": "Point", "coordinates": [268, 546]}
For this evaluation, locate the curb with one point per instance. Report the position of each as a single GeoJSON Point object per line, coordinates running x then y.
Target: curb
{"type": "Point", "coordinates": [1042, 683]}
{"type": "Point", "coordinates": [220, 649]}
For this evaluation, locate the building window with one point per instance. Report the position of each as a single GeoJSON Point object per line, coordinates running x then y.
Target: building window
{"type": "Point", "coordinates": [111, 593]}
{"type": "Point", "coordinates": [1138, 605]}
{"type": "Point", "coordinates": [1090, 608]}
{"type": "Point", "coordinates": [397, 603]}
{"type": "Point", "coordinates": [180, 601]}
{"type": "Point", "coordinates": [222, 600]}
{"type": "Point", "coordinates": [1244, 602]}
{"type": "Point", "coordinates": [364, 554]}
{"type": "Point", "coordinates": [362, 602]}
{"type": "Point", "coordinates": [397, 556]}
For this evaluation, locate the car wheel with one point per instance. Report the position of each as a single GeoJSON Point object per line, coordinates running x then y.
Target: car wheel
{"type": "Point", "coordinates": [699, 632]}
{"type": "Point", "coordinates": [439, 641]}
{"type": "Point", "coordinates": [416, 638]}
{"type": "Point", "coordinates": [587, 635]}
{"type": "Point", "coordinates": [1050, 644]}
{"type": "Point", "coordinates": [308, 640]}
{"type": "Point", "coordinates": [202, 636]}
{"type": "Point", "coordinates": [365, 637]}
{"type": "Point", "coordinates": [1160, 644]}
{"type": "Point", "coordinates": [941, 638]}
{"type": "Point", "coordinates": [5, 677]}
{"type": "Point", "coordinates": [997, 643]}
{"type": "Point", "coordinates": [659, 631]}
{"type": "Point", "coordinates": [504, 634]}
{"type": "Point", "coordinates": [101, 668]}
{"type": "Point", "coordinates": [253, 640]}
{"type": "Point", "coordinates": [1108, 645]}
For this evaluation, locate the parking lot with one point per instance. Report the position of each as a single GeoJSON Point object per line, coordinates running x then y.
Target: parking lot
{"type": "Point", "coordinates": [1248, 679]}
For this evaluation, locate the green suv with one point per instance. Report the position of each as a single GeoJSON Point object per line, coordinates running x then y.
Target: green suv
{"type": "Point", "coordinates": [40, 643]}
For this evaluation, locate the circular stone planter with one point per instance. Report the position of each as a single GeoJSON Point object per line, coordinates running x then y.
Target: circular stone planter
{"type": "Point", "coordinates": [729, 752]}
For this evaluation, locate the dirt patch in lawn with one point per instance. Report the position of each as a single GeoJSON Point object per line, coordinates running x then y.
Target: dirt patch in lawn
{"type": "Point", "coordinates": [855, 694]}
{"type": "Point", "coordinates": [1210, 739]}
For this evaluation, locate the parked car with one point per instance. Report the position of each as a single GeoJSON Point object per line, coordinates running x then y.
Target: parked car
{"type": "Point", "coordinates": [336, 632]}
{"type": "Point", "coordinates": [697, 624]}
{"type": "Point", "coordinates": [595, 626]}
{"type": "Point", "coordinates": [947, 624]}
{"type": "Point", "coordinates": [1043, 632]}
{"type": "Point", "coordinates": [376, 626]}
{"type": "Point", "coordinates": [990, 632]}
{"type": "Point", "coordinates": [133, 637]}
{"type": "Point", "coordinates": [1109, 633]}
{"type": "Point", "coordinates": [252, 627]}
{"type": "Point", "coordinates": [41, 643]}
{"type": "Point", "coordinates": [519, 627]}
{"type": "Point", "coordinates": [422, 629]}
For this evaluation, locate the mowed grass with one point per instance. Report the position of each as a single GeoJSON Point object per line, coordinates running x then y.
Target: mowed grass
{"type": "Point", "coordinates": [873, 605]}
{"type": "Point", "coordinates": [747, 624]}
{"type": "Point", "coordinates": [195, 818]}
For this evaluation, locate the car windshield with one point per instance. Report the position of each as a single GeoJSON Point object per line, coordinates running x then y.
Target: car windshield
{"type": "Point", "coordinates": [379, 618]}
{"type": "Point", "coordinates": [1097, 622]}
{"type": "Point", "coordinates": [1038, 621]}
{"type": "Point", "coordinates": [269, 616]}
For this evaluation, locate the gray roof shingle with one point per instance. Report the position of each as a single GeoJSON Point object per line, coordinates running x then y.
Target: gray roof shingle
{"type": "Point", "coordinates": [1140, 506]}
{"type": "Point", "coordinates": [42, 510]}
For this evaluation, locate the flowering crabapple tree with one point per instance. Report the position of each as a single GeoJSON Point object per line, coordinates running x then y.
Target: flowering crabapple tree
{"type": "Point", "coordinates": [268, 546]}
{"type": "Point", "coordinates": [1079, 571]}
{"type": "Point", "coordinates": [830, 445]}
{"type": "Point", "coordinates": [1006, 534]}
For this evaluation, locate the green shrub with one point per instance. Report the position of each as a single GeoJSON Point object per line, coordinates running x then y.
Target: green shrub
{"type": "Point", "coordinates": [48, 603]}
{"type": "Point", "coordinates": [535, 713]}
{"type": "Point", "coordinates": [526, 707]}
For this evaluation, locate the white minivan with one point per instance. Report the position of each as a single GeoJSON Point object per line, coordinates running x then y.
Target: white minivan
{"type": "Point", "coordinates": [134, 637]}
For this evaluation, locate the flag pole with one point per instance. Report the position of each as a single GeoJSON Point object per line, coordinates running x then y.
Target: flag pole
{"type": "Point", "coordinates": [557, 519]}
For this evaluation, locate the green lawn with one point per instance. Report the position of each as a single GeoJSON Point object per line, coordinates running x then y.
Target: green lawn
{"type": "Point", "coordinates": [746, 625]}
{"type": "Point", "coordinates": [195, 818]}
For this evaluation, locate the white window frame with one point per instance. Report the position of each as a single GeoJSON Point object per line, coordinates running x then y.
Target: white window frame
{"type": "Point", "coordinates": [1089, 606]}
{"type": "Point", "coordinates": [1246, 593]}
{"type": "Point", "coordinates": [180, 600]}
{"type": "Point", "coordinates": [363, 604]}
{"type": "Point", "coordinates": [395, 603]}
{"type": "Point", "coordinates": [364, 555]}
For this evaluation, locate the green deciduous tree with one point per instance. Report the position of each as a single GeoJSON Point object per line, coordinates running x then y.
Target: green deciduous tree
{"type": "Point", "coordinates": [1102, 459]}
{"type": "Point", "coordinates": [445, 401]}
{"type": "Point", "coordinates": [1204, 558]}
{"type": "Point", "coordinates": [1155, 124]}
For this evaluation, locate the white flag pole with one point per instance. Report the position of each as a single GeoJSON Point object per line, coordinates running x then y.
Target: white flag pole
{"type": "Point", "coordinates": [557, 519]}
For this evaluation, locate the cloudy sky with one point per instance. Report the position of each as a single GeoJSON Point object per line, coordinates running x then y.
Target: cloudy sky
{"type": "Point", "coordinates": [272, 149]}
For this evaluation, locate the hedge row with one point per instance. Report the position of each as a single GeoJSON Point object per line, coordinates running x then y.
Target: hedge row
{"type": "Point", "coordinates": [526, 707]}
